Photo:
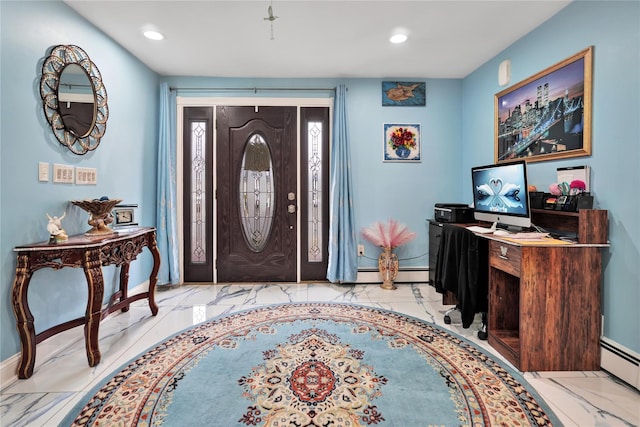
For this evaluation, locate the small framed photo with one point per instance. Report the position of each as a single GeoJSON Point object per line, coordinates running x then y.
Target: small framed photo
{"type": "Point", "coordinates": [401, 142]}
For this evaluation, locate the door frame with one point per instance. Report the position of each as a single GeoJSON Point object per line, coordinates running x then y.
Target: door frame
{"type": "Point", "coordinates": [182, 102]}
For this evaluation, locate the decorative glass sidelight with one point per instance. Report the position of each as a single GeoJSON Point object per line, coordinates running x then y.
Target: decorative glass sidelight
{"type": "Point", "coordinates": [314, 178]}
{"type": "Point", "coordinates": [198, 249]}
{"type": "Point", "coordinates": [256, 191]}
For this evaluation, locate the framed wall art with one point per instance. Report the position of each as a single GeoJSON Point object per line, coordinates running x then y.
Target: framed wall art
{"type": "Point", "coordinates": [401, 142]}
{"type": "Point", "coordinates": [407, 94]}
{"type": "Point", "coordinates": [548, 115]}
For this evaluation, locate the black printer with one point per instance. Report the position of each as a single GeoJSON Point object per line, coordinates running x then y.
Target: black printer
{"type": "Point", "coordinates": [453, 212]}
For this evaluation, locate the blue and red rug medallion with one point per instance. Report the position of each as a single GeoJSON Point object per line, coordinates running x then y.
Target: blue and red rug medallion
{"type": "Point", "coordinates": [314, 364]}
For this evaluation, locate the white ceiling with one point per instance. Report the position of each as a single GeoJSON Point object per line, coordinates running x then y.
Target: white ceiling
{"type": "Point", "coordinates": [317, 38]}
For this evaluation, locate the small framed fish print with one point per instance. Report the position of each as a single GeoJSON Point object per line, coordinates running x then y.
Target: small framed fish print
{"type": "Point", "coordinates": [404, 94]}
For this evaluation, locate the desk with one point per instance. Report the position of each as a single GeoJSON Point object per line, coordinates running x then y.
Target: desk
{"type": "Point", "coordinates": [90, 254]}
{"type": "Point", "coordinates": [544, 304]}
{"type": "Point", "coordinates": [544, 297]}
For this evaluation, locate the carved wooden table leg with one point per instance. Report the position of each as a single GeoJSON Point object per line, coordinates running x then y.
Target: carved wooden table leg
{"type": "Point", "coordinates": [153, 278]}
{"type": "Point", "coordinates": [93, 272]}
{"type": "Point", "coordinates": [24, 318]}
{"type": "Point", "coordinates": [124, 285]}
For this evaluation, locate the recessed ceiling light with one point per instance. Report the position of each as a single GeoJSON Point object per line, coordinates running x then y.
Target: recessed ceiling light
{"type": "Point", "coordinates": [153, 35]}
{"type": "Point", "coordinates": [398, 38]}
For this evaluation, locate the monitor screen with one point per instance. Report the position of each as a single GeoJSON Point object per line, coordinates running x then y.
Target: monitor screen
{"type": "Point", "coordinates": [500, 194]}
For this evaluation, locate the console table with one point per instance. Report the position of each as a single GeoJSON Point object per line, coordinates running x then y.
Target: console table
{"type": "Point", "coordinates": [90, 254]}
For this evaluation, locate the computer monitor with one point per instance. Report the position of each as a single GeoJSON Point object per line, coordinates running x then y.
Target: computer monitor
{"type": "Point", "coordinates": [500, 194]}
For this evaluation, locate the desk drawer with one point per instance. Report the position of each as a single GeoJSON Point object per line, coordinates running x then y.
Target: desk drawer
{"type": "Point", "coordinates": [505, 257]}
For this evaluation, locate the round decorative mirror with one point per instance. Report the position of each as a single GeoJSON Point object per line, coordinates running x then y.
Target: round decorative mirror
{"type": "Point", "coordinates": [74, 98]}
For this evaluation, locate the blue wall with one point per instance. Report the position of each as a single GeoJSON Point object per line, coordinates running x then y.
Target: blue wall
{"type": "Point", "coordinates": [404, 191]}
{"type": "Point", "coordinates": [125, 159]}
{"type": "Point", "coordinates": [457, 131]}
{"type": "Point", "coordinates": [613, 28]}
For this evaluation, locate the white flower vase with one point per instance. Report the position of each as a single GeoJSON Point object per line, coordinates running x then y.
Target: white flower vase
{"type": "Point", "coordinates": [388, 267]}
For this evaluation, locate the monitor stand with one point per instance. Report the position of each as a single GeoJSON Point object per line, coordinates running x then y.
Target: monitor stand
{"type": "Point", "coordinates": [509, 228]}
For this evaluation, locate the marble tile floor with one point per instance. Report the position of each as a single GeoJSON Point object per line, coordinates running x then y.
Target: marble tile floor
{"type": "Point", "coordinates": [62, 376]}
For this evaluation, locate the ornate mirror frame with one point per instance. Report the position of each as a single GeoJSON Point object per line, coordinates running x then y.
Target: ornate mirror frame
{"type": "Point", "coordinates": [61, 56]}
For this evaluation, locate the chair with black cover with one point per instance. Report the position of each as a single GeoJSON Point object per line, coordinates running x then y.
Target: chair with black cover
{"type": "Point", "coordinates": [462, 268]}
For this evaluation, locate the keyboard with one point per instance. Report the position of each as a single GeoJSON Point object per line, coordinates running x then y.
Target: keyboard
{"type": "Point", "coordinates": [480, 230]}
{"type": "Point", "coordinates": [528, 235]}
{"type": "Point", "coordinates": [525, 235]}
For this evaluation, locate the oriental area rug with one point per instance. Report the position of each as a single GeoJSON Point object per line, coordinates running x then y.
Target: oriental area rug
{"type": "Point", "coordinates": [314, 364]}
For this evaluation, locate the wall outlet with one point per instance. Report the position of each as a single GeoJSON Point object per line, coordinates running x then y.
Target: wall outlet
{"type": "Point", "coordinates": [360, 250]}
{"type": "Point", "coordinates": [43, 171]}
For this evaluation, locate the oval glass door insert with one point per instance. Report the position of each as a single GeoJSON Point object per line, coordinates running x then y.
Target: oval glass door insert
{"type": "Point", "coordinates": [257, 199]}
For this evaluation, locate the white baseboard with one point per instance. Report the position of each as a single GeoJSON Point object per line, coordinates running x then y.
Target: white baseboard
{"type": "Point", "coordinates": [620, 362]}
{"type": "Point", "coordinates": [8, 370]}
{"type": "Point", "coordinates": [404, 276]}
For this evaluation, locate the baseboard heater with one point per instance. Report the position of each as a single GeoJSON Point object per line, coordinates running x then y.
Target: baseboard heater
{"type": "Point", "coordinates": [620, 362]}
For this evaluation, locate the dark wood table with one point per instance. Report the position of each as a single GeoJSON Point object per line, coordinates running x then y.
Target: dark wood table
{"type": "Point", "coordinates": [90, 254]}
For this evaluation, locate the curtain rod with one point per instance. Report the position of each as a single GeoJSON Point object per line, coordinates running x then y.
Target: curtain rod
{"type": "Point", "coordinates": [252, 89]}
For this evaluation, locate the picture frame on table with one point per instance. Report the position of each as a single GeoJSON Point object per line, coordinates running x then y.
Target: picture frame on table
{"type": "Point", "coordinates": [401, 142]}
{"type": "Point", "coordinates": [124, 216]}
{"type": "Point", "coordinates": [548, 115]}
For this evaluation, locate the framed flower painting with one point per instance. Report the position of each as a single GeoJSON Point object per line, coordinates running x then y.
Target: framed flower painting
{"type": "Point", "coordinates": [401, 142]}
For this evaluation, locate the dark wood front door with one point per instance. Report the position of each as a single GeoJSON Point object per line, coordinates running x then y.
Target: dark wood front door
{"type": "Point", "coordinates": [256, 194]}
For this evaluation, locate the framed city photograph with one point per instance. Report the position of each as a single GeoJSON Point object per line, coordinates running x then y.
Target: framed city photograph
{"type": "Point", "coordinates": [548, 115]}
{"type": "Point", "coordinates": [401, 142]}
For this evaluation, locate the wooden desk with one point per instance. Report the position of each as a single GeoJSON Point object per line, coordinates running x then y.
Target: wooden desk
{"type": "Point", "coordinates": [90, 254]}
{"type": "Point", "coordinates": [544, 299]}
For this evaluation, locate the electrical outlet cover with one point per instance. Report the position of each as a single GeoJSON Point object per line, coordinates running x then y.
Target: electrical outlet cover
{"type": "Point", "coordinates": [86, 176]}
{"type": "Point", "coordinates": [62, 174]}
{"type": "Point", "coordinates": [43, 171]}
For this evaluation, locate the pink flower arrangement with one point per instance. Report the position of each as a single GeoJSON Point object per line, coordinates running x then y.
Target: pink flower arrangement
{"type": "Point", "coordinates": [577, 184]}
{"type": "Point", "coordinates": [576, 187]}
{"type": "Point", "coordinates": [555, 189]}
{"type": "Point", "coordinates": [389, 235]}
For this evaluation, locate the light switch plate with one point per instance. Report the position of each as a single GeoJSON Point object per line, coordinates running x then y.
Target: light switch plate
{"type": "Point", "coordinates": [43, 171]}
{"type": "Point", "coordinates": [86, 176]}
{"type": "Point", "coordinates": [62, 174]}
